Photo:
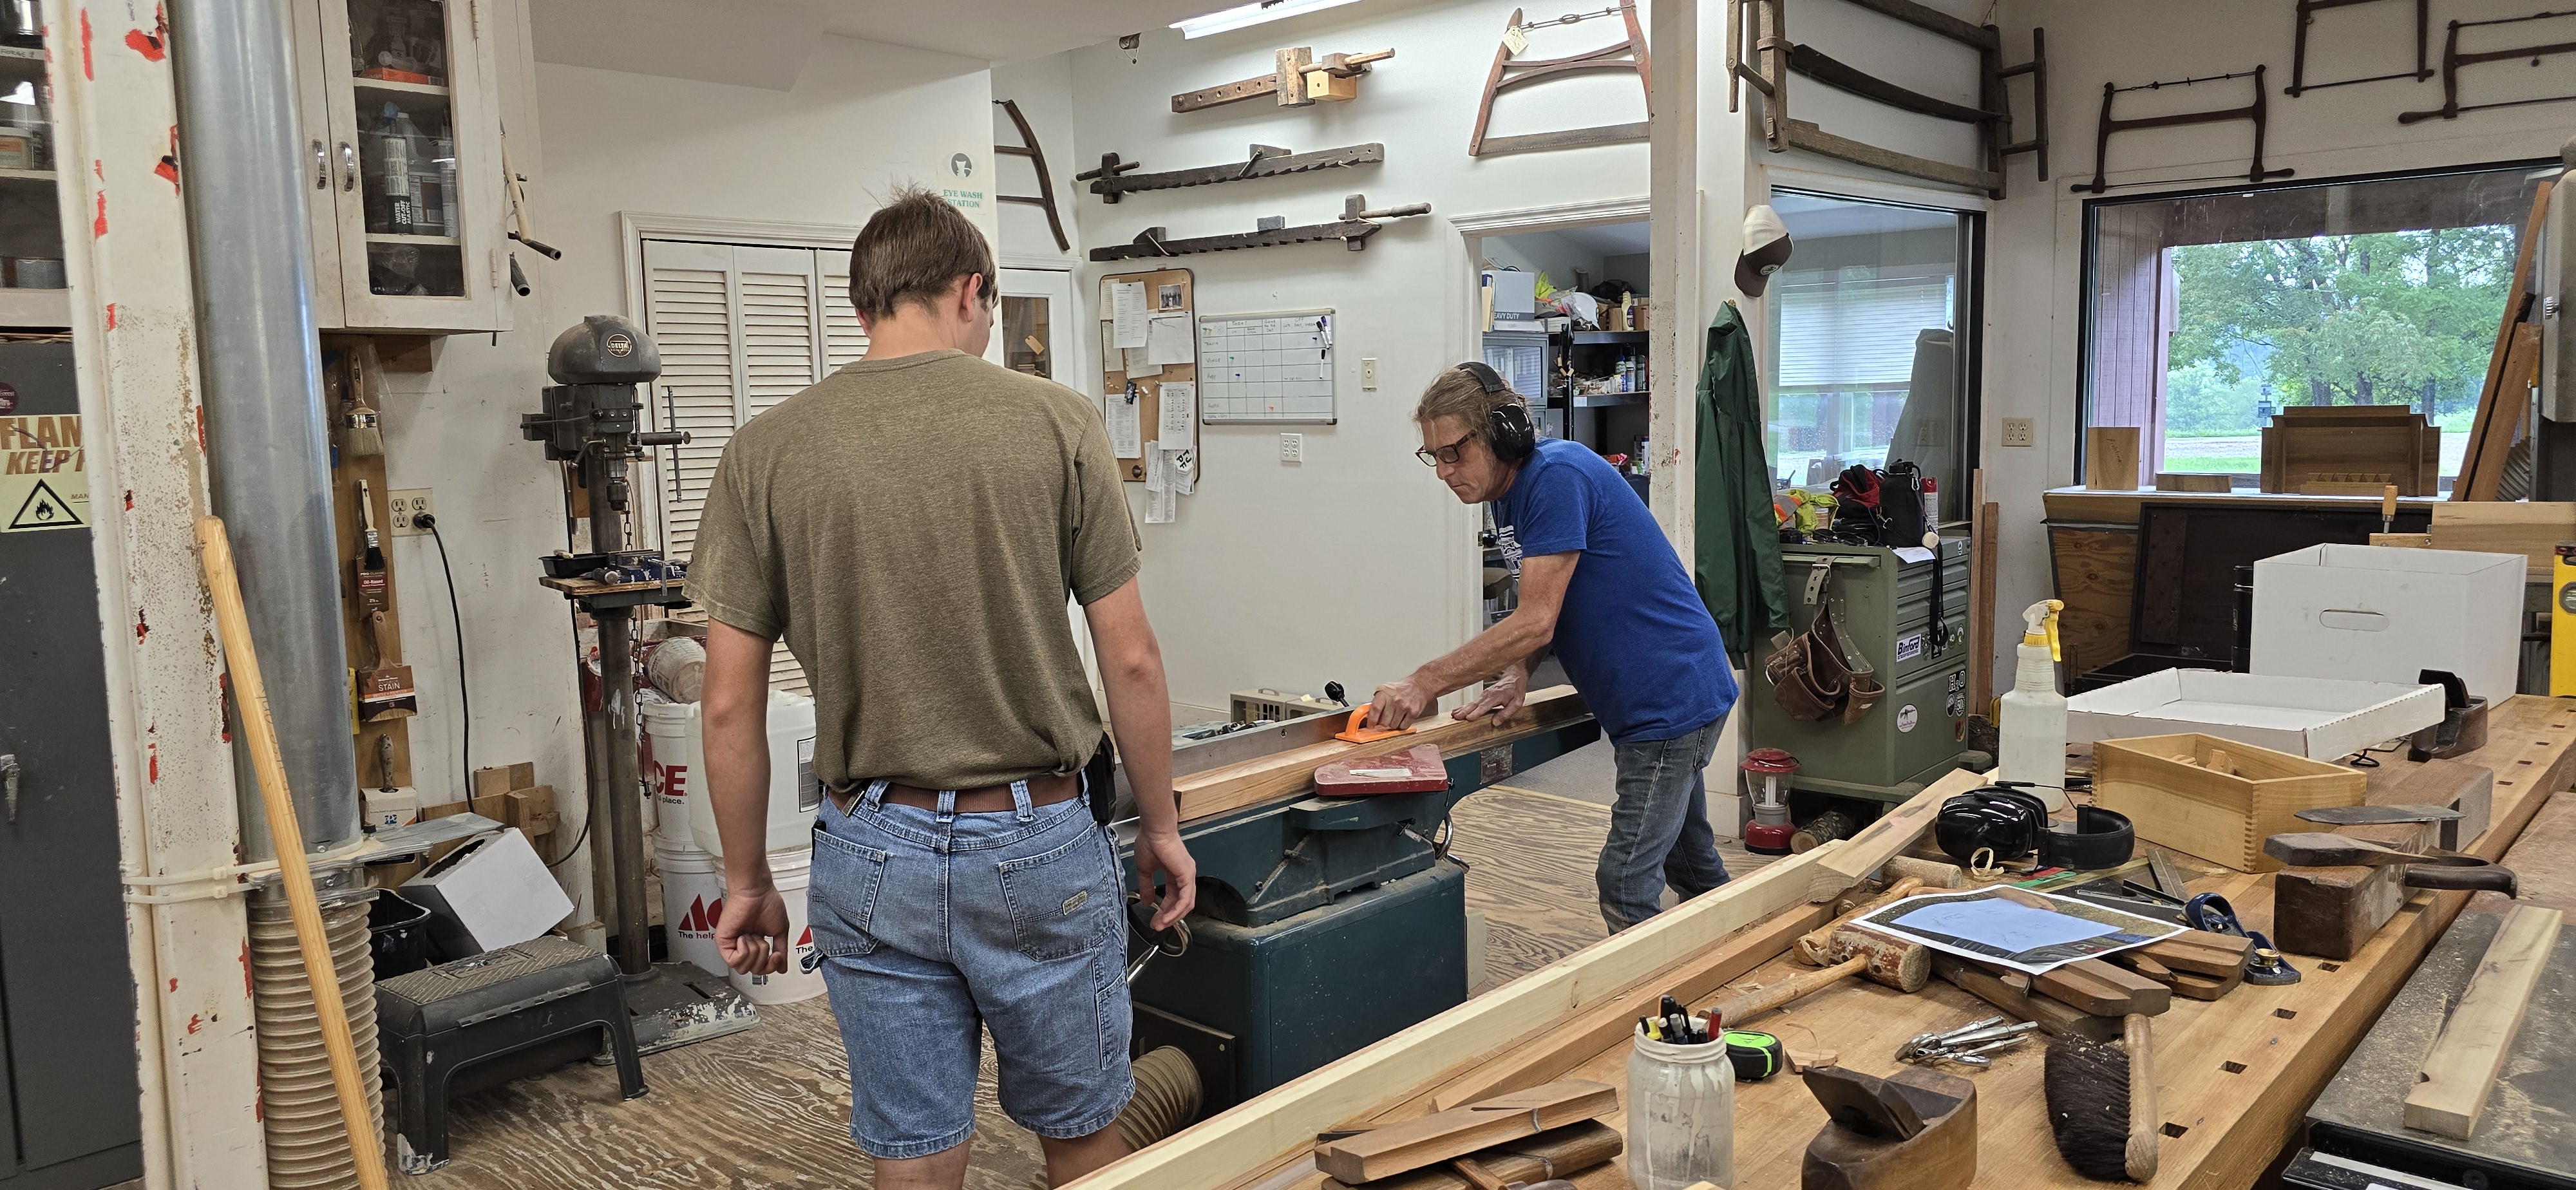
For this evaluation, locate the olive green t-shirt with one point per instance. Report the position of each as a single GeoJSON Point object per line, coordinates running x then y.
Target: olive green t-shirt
{"type": "Point", "coordinates": [911, 527]}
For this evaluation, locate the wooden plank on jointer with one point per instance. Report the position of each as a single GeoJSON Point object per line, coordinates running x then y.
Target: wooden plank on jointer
{"type": "Point", "coordinates": [1235, 786]}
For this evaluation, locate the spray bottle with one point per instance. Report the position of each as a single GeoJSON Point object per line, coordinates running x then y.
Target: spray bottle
{"type": "Point", "coordinates": [2034, 713]}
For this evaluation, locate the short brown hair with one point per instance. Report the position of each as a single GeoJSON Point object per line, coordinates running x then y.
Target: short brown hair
{"type": "Point", "coordinates": [1457, 393]}
{"type": "Point", "coordinates": [912, 250]}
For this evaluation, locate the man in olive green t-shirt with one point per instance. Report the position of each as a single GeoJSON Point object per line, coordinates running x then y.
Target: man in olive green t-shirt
{"type": "Point", "coordinates": [912, 527]}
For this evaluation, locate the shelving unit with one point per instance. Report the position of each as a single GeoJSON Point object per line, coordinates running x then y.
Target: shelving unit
{"type": "Point", "coordinates": [30, 205]}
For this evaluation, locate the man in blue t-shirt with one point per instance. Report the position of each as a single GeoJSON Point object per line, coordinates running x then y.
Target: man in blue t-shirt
{"type": "Point", "coordinates": [1600, 583]}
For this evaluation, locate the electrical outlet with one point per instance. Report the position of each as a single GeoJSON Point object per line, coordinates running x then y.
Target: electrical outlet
{"type": "Point", "coordinates": [407, 504]}
{"type": "Point", "coordinates": [1368, 373]}
{"type": "Point", "coordinates": [1292, 448]}
{"type": "Point", "coordinates": [2020, 431]}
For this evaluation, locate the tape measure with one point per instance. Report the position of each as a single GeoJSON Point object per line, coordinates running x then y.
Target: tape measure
{"type": "Point", "coordinates": [1756, 1056]}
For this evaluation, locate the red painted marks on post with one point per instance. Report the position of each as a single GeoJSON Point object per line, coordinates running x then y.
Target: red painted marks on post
{"type": "Point", "coordinates": [142, 629]}
{"type": "Point", "coordinates": [111, 325]}
{"type": "Point", "coordinates": [98, 226]}
{"type": "Point", "coordinates": [245, 966]}
{"type": "Point", "coordinates": [88, 69]}
{"type": "Point", "coordinates": [129, 499]}
{"type": "Point", "coordinates": [195, 1022]}
{"type": "Point", "coordinates": [174, 983]}
{"type": "Point", "coordinates": [150, 45]}
{"type": "Point", "coordinates": [152, 764]}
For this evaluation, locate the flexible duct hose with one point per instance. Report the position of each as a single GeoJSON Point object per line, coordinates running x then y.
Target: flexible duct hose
{"type": "Point", "coordinates": [307, 1144]}
{"type": "Point", "coordinates": [1167, 1100]}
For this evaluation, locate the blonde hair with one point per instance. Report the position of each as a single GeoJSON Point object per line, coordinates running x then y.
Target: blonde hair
{"type": "Point", "coordinates": [1457, 393]}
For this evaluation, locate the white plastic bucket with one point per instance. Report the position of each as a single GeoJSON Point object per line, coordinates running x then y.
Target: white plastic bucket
{"type": "Point", "coordinates": [673, 762]}
{"type": "Point", "coordinates": [692, 900]}
{"type": "Point", "coordinates": [670, 763]}
{"type": "Point", "coordinates": [792, 870]}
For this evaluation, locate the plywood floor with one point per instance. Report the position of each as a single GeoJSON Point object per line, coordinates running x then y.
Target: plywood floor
{"type": "Point", "coordinates": [770, 1107]}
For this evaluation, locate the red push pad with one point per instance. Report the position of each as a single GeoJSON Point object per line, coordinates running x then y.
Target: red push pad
{"type": "Point", "coordinates": [1415, 770]}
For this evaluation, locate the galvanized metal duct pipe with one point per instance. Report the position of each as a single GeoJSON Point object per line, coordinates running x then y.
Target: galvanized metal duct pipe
{"type": "Point", "coordinates": [266, 434]}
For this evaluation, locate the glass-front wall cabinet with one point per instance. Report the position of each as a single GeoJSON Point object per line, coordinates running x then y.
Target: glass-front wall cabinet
{"type": "Point", "coordinates": [408, 184]}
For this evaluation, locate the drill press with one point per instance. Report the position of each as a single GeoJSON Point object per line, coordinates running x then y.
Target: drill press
{"type": "Point", "coordinates": [591, 421]}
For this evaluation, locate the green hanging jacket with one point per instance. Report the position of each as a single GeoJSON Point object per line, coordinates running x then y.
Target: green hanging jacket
{"type": "Point", "coordinates": [1737, 538]}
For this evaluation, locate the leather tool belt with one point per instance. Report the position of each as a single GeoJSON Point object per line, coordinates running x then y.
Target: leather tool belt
{"type": "Point", "coordinates": [1816, 677]}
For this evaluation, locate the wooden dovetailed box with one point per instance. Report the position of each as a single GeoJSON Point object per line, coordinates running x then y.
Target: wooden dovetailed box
{"type": "Point", "coordinates": [2221, 811]}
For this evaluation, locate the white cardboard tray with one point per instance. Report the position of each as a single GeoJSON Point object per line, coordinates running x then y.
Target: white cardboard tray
{"type": "Point", "coordinates": [2319, 718]}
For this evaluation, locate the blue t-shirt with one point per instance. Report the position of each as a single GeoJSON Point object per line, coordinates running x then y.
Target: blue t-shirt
{"type": "Point", "coordinates": [1633, 634]}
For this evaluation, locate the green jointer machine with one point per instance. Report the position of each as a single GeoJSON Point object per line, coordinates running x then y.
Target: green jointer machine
{"type": "Point", "coordinates": [1323, 923]}
{"type": "Point", "coordinates": [1912, 632]}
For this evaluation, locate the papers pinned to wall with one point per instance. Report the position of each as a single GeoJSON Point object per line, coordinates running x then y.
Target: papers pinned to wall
{"type": "Point", "coordinates": [1127, 317]}
{"type": "Point", "coordinates": [1126, 436]}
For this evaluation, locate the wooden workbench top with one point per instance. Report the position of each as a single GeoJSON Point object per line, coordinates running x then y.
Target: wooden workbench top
{"type": "Point", "coordinates": [2118, 507]}
{"type": "Point", "coordinates": [2235, 1074]}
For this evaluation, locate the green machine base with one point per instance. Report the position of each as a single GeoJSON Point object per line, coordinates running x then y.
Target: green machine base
{"type": "Point", "coordinates": [1300, 992]}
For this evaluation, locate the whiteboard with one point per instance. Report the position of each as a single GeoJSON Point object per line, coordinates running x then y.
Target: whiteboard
{"type": "Point", "coordinates": [1275, 367]}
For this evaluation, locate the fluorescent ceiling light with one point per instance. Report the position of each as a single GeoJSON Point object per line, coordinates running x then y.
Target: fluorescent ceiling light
{"type": "Point", "coordinates": [1248, 15]}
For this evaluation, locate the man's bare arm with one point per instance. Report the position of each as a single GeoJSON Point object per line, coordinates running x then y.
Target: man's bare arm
{"type": "Point", "coordinates": [1505, 646]}
{"type": "Point", "coordinates": [1140, 715]}
{"type": "Point", "coordinates": [735, 703]}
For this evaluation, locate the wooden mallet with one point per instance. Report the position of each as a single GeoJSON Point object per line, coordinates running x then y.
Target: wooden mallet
{"type": "Point", "coordinates": [1905, 966]}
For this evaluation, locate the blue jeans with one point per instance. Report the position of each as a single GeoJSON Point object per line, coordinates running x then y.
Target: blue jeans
{"type": "Point", "coordinates": [929, 923]}
{"type": "Point", "coordinates": [1659, 832]}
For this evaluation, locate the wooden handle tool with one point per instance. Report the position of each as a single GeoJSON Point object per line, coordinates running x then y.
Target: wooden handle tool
{"type": "Point", "coordinates": [2139, 1038]}
{"type": "Point", "coordinates": [232, 624]}
{"type": "Point", "coordinates": [2320, 849]}
{"type": "Point", "coordinates": [1812, 947]}
{"type": "Point", "coordinates": [1905, 966]}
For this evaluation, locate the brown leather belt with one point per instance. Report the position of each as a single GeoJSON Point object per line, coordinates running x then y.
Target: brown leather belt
{"type": "Point", "coordinates": [991, 799]}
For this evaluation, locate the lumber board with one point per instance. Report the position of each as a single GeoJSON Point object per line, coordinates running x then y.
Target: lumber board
{"type": "Point", "coordinates": [2531, 529]}
{"type": "Point", "coordinates": [2451, 1089]}
{"type": "Point", "coordinates": [1865, 853]}
{"type": "Point", "coordinates": [1236, 786]}
{"type": "Point", "coordinates": [1984, 527]}
{"type": "Point", "coordinates": [1566, 1150]}
{"type": "Point", "coordinates": [2491, 430]}
{"type": "Point", "coordinates": [2111, 458]}
{"type": "Point", "coordinates": [1414, 1143]}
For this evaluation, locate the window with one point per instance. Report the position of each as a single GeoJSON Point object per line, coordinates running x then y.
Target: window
{"type": "Point", "coordinates": [2209, 313]}
{"type": "Point", "coordinates": [740, 328]}
{"type": "Point", "coordinates": [1866, 360]}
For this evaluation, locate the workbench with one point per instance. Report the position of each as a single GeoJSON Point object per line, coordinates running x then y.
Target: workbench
{"type": "Point", "coordinates": [2236, 1075]}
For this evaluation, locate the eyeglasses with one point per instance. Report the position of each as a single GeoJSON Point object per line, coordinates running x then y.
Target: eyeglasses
{"type": "Point", "coordinates": [1445, 454]}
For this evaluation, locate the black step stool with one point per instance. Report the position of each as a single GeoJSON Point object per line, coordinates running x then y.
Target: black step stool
{"type": "Point", "coordinates": [479, 1022]}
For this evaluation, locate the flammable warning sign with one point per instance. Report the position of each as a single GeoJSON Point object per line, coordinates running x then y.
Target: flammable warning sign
{"type": "Point", "coordinates": [44, 481]}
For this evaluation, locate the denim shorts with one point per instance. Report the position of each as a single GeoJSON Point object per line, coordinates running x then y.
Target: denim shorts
{"type": "Point", "coordinates": [929, 923]}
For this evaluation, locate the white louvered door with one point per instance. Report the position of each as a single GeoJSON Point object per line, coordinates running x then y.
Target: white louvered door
{"type": "Point", "coordinates": [741, 328]}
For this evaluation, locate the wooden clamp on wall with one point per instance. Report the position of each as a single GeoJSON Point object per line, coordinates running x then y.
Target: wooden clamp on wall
{"type": "Point", "coordinates": [1629, 54]}
{"type": "Point", "coordinates": [1264, 161]}
{"type": "Point", "coordinates": [1778, 57]}
{"type": "Point", "coordinates": [2257, 111]}
{"type": "Point", "coordinates": [1028, 147]}
{"type": "Point", "coordinates": [1300, 81]}
{"type": "Point", "coordinates": [1353, 229]}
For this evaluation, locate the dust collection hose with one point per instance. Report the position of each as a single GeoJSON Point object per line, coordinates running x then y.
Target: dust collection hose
{"type": "Point", "coordinates": [1167, 1099]}
{"type": "Point", "coordinates": [308, 1144]}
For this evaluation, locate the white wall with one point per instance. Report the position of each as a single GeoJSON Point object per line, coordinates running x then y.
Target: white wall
{"type": "Point", "coordinates": [1355, 566]}
{"type": "Point", "coordinates": [1544, 252]}
{"type": "Point", "coordinates": [2033, 283]}
{"type": "Point", "coordinates": [858, 119]}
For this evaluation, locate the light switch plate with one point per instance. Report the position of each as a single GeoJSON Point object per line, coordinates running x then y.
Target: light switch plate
{"type": "Point", "coordinates": [403, 504]}
{"type": "Point", "coordinates": [1292, 448]}
{"type": "Point", "coordinates": [1368, 373]}
{"type": "Point", "coordinates": [2020, 431]}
